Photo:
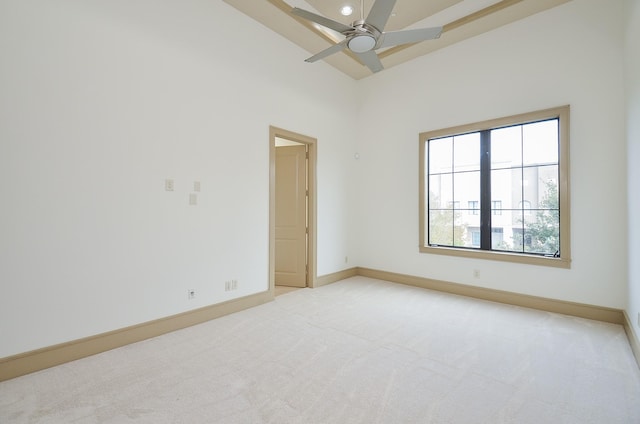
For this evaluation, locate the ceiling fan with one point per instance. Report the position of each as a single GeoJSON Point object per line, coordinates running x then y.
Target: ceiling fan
{"type": "Point", "coordinates": [363, 37]}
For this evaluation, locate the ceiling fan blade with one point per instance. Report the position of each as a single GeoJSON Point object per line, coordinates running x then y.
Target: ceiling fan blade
{"type": "Point", "coordinates": [395, 38]}
{"type": "Point", "coordinates": [379, 13]}
{"type": "Point", "coordinates": [327, 52]}
{"type": "Point", "coordinates": [325, 22]}
{"type": "Point", "coordinates": [371, 60]}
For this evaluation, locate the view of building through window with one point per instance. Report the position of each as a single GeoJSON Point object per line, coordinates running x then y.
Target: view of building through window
{"type": "Point", "coordinates": [495, 189]}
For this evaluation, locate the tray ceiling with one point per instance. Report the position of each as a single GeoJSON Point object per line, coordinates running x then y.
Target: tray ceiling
{"type": "Point", "coordinates": [460, 20]}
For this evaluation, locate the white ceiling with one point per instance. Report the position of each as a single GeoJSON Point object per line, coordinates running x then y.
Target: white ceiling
{"type": "Point", "coordinates": [461, 19]}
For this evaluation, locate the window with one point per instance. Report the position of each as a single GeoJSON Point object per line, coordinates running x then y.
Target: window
{"type": "Point", "coordinates": [475, 236]}
{"type": "Point", "coordinates": [526, 206]}
{"type": "Point", "coordinates": [518, 168]}
{"type": "Point", "coordinates": [474, 207]}
{"type": "Point", "coordinates": [496, 207]}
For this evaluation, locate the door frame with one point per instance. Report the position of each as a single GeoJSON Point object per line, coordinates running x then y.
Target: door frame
{"type": "Point", "coordinates": [311, 143]}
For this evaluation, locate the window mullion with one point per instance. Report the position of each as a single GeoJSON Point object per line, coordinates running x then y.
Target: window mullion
{"type": "Point", "coordinates": [485, 190]}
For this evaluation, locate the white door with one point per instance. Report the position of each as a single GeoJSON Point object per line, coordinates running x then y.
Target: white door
{"type": "Point", "coordinates": [291, 216]}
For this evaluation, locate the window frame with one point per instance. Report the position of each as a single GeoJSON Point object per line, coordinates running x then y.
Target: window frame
{"type": "Point", "coordinates": [564, 260]}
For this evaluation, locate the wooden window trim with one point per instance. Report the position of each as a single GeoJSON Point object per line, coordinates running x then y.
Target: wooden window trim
{"type": "Point", "coordinates": [564, 261]}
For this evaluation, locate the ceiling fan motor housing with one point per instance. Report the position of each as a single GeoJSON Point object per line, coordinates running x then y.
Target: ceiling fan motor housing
{"type": "Point", "coordinates": [363, 38]}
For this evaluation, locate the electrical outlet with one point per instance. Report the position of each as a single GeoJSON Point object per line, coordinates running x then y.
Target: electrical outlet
{"type": "Point", "coordinates": [191, 293]}
{"type": "Point", "coordinates": [476, 273]}
{"type": "Point", "coordinates": [230, 285]}
{"type": "Point", "coordinates": [346, 259]}
{"type": "Point", "coordinates": [168, 185]}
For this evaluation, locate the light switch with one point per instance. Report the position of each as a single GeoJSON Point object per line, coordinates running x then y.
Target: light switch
{"type": "Point", "coordinates": [193, 199]}
{"type": "Point", "coordinates": [196, 186]}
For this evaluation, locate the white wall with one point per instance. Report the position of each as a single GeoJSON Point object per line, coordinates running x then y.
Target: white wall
{"type": "Point", "coordinates": [572, 54]}
{"type": "Point", "coordinates": [633, 156]}
{"type": "Point", "coordinates": [100, 102]}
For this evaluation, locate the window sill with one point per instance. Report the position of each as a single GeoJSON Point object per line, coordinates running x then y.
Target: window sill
{"type": "Point", "coordinates": [499, 256]}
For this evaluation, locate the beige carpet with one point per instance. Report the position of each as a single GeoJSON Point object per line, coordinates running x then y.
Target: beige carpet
{"type": "Point", "coordinates": [358, 351]}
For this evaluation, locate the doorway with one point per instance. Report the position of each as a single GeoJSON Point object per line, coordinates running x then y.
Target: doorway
{"type": "Point", "coordinates": [292, 209]}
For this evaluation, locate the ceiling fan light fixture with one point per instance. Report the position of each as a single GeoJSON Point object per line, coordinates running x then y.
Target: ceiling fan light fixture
{"type": "Point", "coordinates": [361, 43]}
{"type": "Point", "coordinates": [346, 10]}
{"type": "Point", "coordinates": [364, 36]}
